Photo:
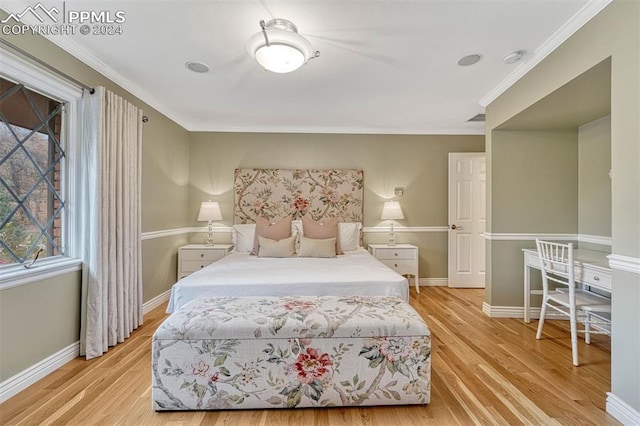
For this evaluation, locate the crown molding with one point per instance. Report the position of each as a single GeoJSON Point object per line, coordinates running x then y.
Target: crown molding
{"type": "Point", "coordinates": [584, 15]}
{"type": "Point", "coordinates": [462, 130]}
{"type": "Point", "coordinates": [88, 57]}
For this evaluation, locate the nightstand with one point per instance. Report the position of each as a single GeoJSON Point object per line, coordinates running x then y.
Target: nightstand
{"type": "Point", "coordinates": [402, 258]}
{"type": "Point", "coordinates": [196, 256]}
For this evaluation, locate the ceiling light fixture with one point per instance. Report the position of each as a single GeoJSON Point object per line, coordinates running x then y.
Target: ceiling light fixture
{"type": "Point", "coordinates": [279, 48]}
{"type": "Point", "coordinates": [513, 57]}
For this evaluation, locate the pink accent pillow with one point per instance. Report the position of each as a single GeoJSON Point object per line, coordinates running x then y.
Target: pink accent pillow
{"type": "Point", "coordinates": [274, 231]}
{"type": "Point", "coordinates": [322, 231]}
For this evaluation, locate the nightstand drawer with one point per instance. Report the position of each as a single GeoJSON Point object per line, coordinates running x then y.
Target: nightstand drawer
{"type": "Point", "coordinates": [199, 255]}
{"type": "Point", "coordinates": [194, 265]}
{"type": "Point", "coordinates": [401, 266]}
{"type": "Point", "coordinates": [393, 253]}
{"type": "Point", "coordinates": [193, 257]}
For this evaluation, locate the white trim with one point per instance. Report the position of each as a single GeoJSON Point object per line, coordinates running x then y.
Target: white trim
{"type": "Point", "coordinates": [36, 78]}
{"type": "Point", "coordinates": [594, 239]}
{"type": "Point", "coordinates": [42, 270]}
{"type": "Point", "coordinates": [88, 57]}
{"type": "Point", "coordinates": [433, 282]}
{"type": "Point", "coordinates": [462, 129]}
{"type": "Point", "coordinates": [164, 233]}
{"type": "Point", "coordinates": [155, 302]}
{"type": "Point", "coordinates": [26, 378]}
{"type": "Point", "coordinates": [385, 229]}
{"type": "Point", "coordinates": [517, 312]}
{"type": "Point", "coordinates": [584, 15]}
{"type": "Point", "coordinates": [527, 237]}
{"type": "Point", "coordinates": [215, 230]}
{"type": "Point", "coordinates": [621, 411]}
{"type": "Point", "coordinates": [38, 371]}
{"type": "Point", "coordinates": [227, 230]}
{"type": "Point", "coordinates": [582, 238]}
{"type": "Point", "coordinates": [503, 311]}
{"type": "Point", "coordinates": [624, 263]}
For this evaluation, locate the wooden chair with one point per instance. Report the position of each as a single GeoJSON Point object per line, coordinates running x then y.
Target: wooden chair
{"type": "Point", "coordinates": [556, 262]}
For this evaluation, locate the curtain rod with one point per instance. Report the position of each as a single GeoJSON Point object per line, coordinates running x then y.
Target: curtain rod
{"type": "Point", "coordinates": [47, 66]}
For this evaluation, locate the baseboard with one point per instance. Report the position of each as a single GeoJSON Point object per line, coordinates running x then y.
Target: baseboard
{"type": "Point", "coordinates": [503, 311]}
{"type": "Point", "coordinates": [621, 411]}
{"type": "Point", "coordinates": [517, 312]}
{"type": "Point", "coordinates": [433, 282]}
{"type": "Point", "coordinates": [26, 378]}
{"type": "Point", "coordinates": [155, 302]}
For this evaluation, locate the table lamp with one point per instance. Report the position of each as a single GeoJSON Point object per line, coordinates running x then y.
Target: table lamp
{"type": "Point", "coordinates": [391, 210]}
{"type": "Point", "coordinates": [209, 211]}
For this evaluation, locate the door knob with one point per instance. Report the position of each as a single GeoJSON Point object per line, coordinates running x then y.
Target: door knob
{"type": "Point", "coordinates": [456, 227]}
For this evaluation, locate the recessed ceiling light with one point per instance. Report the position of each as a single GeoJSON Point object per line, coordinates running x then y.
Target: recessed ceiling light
{"type": "Point", "coordinates": [465, 61]}
{"type": "Point", "coordinates": [197, 67]}
{"type": "Point", "coordinates": [513, 57]}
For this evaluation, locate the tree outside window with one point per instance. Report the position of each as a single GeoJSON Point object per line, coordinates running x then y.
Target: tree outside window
{"type": "Point", "coordinates": [31, 162]}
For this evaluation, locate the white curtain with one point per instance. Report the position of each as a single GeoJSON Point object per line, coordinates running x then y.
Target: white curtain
{"type": "Point", "coordinates": [112, 275]}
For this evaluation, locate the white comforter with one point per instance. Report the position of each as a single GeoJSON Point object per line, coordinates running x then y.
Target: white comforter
{"type": "Point", "coordinates": [240, 274]}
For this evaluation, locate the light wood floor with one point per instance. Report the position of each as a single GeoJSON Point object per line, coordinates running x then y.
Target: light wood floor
{"type": "Point", "coordinates": [484, 371]}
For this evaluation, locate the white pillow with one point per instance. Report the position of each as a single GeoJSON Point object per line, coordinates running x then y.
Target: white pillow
{"type": "Point", "coordinates": [280, 248]}
{"type": "Point", "coordinates": [349, 235]}
{"type": "Point", "coordinates": [310, 247]}
{"type": "Point", "coordinates": [243, 237]}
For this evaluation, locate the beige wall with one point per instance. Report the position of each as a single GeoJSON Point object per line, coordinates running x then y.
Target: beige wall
{"type": "Point", "coordinates": [165, 174]}
{"type": "Point", "coordinates": [37, 320]}
{"type": "Point", "coordinates": [417, 163]}
{"type": "Point", "coordinates": [592, 44]}
{"type": "Point", "coordinates": [535, 181]}
{"type": "Point", "coordinates": [594, 183]}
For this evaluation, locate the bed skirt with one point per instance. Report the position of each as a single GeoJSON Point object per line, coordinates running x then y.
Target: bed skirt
{"type": "Point", "coordinates": [285, 352]}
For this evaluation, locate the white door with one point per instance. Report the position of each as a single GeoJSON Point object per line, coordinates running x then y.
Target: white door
{"type": "Point", "coordinates": [467, 219]}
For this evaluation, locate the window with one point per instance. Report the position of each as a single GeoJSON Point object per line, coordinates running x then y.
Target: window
{"type": "Point", "coordinates": [40, 172]}
{"type": "Point", "coordinates": [31, 161]}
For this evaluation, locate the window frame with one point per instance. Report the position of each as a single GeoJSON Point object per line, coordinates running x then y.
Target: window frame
{"type": "Point", "coordinates": [43, 81]}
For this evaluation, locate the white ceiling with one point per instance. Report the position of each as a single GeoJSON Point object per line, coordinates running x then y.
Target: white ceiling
{"type": "Point", "coordinates": [385, 66]}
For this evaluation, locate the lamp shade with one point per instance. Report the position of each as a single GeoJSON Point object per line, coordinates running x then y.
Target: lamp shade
{"type": "Point", "coordinates": [392, 210]}
{"type": "Point", "coordinates": [279, 48]}
{"type": "Point", "coordinates": [209, 210]}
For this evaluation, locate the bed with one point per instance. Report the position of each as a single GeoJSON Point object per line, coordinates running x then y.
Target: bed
{"type": "Point", "coordinates": [285, 319]}
{"type": "Point", "coordinates": [310, 195]}
{"type": "Point", "coordinates": [241, 274]}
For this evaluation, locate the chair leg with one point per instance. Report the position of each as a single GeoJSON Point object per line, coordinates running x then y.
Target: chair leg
{"type": "Point", "coordinates": [574, 337]}
{"type": "Point", "coordinates": [543, 310]}
{"type": "Point", "coordinates": [587, 323]}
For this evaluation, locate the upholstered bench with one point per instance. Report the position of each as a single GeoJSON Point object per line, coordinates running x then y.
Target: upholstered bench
{"type": "Point", "coordinates": [268, 352]}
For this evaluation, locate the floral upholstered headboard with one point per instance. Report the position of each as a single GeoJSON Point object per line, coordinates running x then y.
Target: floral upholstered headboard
{"type": "Point", "coordinates": [277, 193]}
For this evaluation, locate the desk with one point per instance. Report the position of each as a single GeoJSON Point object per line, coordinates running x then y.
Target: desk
{"type": "Point", "coordinates": [591, 269]}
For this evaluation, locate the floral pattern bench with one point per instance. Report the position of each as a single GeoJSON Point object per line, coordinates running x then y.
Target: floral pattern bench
{"type": "Point", "coordinates": [269, 352]}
